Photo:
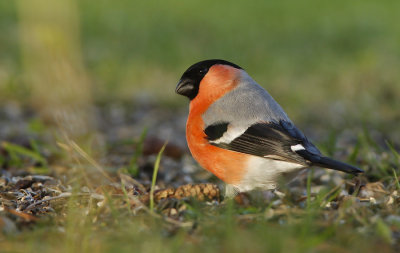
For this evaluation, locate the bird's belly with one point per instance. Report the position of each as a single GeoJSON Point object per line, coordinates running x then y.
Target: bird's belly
{"type": "Point", "coordinates": [227, 165]}
{"type": "Point", "coordinates": [264, 173]}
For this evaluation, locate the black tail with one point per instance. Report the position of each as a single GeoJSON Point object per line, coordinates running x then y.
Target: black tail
{"type": "Point", "coordinates": [337, 165]}
{"type": "Point", "coordinates": [329, 163]}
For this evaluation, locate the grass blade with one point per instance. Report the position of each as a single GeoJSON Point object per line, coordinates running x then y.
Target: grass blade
{"type": "Point", "coordinates": [133, 165]}
{"type": "Point", "coordinates": [393, 150]}
{"type": "Point", "coordinates": [309, 178]}
{"type": "Point", "coordinates": [153, 181]}
{"type": "Point", "coordinates": [16, 149]}
{"type": "Point", "coordinates": [396, 179]}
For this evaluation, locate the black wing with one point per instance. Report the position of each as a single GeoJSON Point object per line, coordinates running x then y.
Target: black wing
{"type": "Point", "coordinates": [272, 140]}
{"type": "Point", "coordinates": [276, 141]}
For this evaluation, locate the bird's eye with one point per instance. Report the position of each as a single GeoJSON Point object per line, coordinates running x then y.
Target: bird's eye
{"type": "Point", "coordinates": [203, 71]}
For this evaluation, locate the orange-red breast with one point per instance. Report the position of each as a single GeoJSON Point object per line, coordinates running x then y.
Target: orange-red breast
{"type": "Point", "coordinates": [237, 131]}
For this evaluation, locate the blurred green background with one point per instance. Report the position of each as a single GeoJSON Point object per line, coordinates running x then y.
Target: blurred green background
{"type": "Point", "coordinates": [309, 54]}
{"type": "Point", "coordinates": [330, 64]}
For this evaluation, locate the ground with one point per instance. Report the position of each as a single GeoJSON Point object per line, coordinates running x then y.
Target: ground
{"type": "Point", "coordinates": [49, 200]}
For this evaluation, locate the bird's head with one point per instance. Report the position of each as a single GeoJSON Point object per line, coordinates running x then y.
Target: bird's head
{"type": "Point", "coordinates": [211, 78]}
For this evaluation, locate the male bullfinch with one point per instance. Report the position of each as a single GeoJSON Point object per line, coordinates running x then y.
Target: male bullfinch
{"type": "Point", "coordinates": [237, 131]}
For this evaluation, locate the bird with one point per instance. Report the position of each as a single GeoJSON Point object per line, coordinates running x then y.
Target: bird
{"type": "Point", "coordinates": [237, 131]}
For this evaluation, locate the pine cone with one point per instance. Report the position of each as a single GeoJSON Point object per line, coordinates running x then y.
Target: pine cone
{"type": "Point", "coordinates": [200, 192]}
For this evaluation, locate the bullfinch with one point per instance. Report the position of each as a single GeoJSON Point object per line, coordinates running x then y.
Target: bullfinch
{"type": "Point", "coordinates": [237, 131]}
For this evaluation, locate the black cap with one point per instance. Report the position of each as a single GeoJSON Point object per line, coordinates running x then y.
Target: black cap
{"type": "Point", "coordinates": [189, 83]}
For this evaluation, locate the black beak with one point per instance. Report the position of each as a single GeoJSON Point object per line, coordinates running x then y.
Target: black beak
{"type": "Point", "coordinates": [185, 88]}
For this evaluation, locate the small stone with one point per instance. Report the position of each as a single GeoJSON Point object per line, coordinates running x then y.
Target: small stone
{"type": "Point", "coordinates": [173, 212]}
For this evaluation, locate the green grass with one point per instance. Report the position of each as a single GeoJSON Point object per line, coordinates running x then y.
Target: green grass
{"type": "Point", "coordinates": [221, 229]}
{"type": "Point", "coordinates": [154, 178]}
{"type": "Point", "coordinates": [333, 66]}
